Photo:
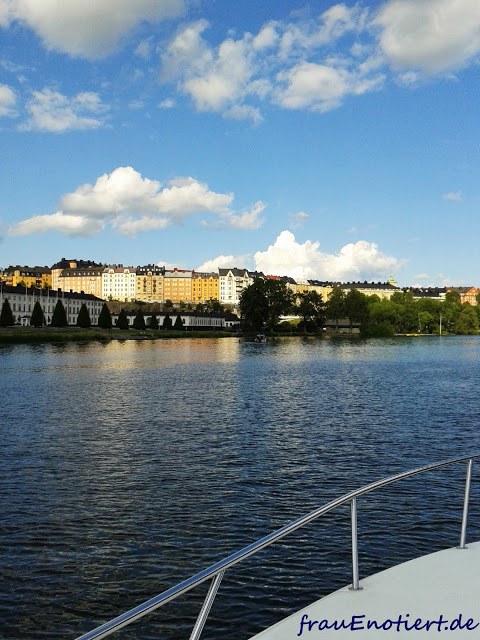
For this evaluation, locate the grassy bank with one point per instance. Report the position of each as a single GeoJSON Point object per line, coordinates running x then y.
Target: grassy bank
{"type": "Point", "coordinates": [14, 335]}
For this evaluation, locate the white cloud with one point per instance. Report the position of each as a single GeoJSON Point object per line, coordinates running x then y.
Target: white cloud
{"type": "Point", "coordinates": [51, 111]}
{"type": "Point", "coordinates": [456, 196]}
{"type": "Point", "coordinates": [144, 49]}
{"type": "Point", "coordinates": [131, 204]}
{"type": "Point", "coordinates": [297, 219]}
{"type": "Point", "coordinates": [431, 35]}
{"type": "Point", "coordinates": [361, 260]}
{"type": "Point", "coordinates": [224, 262]}
{"type": "Point", "coordinates": [421, 276]}
{"type": "Point", "coordinates": [168, 103]}
{"type": "Point", "coordinates": [86, 29]}
{"type": "Point", "coordinates": [7, 101]}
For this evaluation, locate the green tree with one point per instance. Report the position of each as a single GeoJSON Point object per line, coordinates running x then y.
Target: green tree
{"type": "Point", "coordinates": [254, 305]}
{"type": "Point", "coordinates": [139, 321]}
{"type": "Point", "coordinates": [336, 304]}
{"type": "Point", "coordinates": [167, 322]}
{"type": "Point", "coordinates": [214, 306]}
{"type": "Point", "coordinates": [83, 319]}
{"type": "Point", "coordinates": [59, 317]}
{"type": "Point", "coordinates": [122, 321]}
{"type": "Point", "coordinates": [153, 324]}
{"type": "Point", "coordinates": [178, 325]}
{"type": "Point", "coordinates": [6, 315]}
{"type": "Point", "coordinates": [356, 307]}
{"type": "Point", "coordinates": [280, 300]}
{"type": "Point", "coordinates": [311, 307]}
{"type": "Point", "coordinates": [38, 317]}
{"type": "Point", "coordinates": [467, 322]}
{"type": "Point", "coordinates": [105, 318]}
{"type": "Point", "coordinates": [168, 304]}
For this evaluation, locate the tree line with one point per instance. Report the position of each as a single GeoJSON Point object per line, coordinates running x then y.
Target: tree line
{"type": "Point", "coordinates": [266, 300]}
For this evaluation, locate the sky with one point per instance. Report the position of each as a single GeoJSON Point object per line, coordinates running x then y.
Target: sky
{"type": "Point", "coordinates": [309, 139]}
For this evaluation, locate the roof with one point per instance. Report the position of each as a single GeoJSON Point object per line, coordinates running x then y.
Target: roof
{"type": "Point", "coordinates": [48, 293]}
{"type": "Point", "coordinates": [27, 270]}
{"type": "Point", "coordinates": [238, 273]}
{"type": "Point", "coordinates": [369, 285]}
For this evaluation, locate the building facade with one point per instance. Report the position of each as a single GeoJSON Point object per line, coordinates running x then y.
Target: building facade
{"type": "Point", "coordinates": [119, 283]}
{"type": "Point", "coordinates": [149, 283]}
{"type": "Point", "coordinates": [77, 279]}
{"type": "Point", "coordinates": [22, 301]}
{"type": "Point", "coordinates": [177, 285]}
{"type": "Point", "coordinates": [39, 277]}
{"type": "Point", "coordinates": [205, 287]}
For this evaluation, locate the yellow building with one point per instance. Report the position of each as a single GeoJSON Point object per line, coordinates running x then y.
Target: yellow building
{"type": "Point", "coordinates": [87, 279]}
{"type": "Point", "coordinates": [177, 285]}
{"type": "Point", "coordinates": [323, 288]}
{"type": "Point", "coordinates": [205, 287]}
{"type": "Point", "coordinates": [39, 277]}
{"type": "Point", "coordinates": [58, 267]}
{"type": "Point", "coordinates": [149, 283]}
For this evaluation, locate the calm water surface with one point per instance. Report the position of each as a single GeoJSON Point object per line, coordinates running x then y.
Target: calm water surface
{"type": "Point", "coordinates": [126, 467]}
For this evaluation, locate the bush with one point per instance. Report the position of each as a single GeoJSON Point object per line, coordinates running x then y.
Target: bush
{"type": "Point", "coordinates": [122, 321]}
{"type": "Point", "coordinates": [139, 321]}
{"type": "Point", "coordinates": [6, 315]}
{"type": "Point", "coordinates": [178, 326]}
{"type": "Point", "coordinates": [83, 319]}
{"type": "Point", "coordinates": [105, 318]}
{"type": "Point", "coordinates": [38, 317]}
{"type": "Point", "coordinates": [167, 322]}
{"type": "Point", "coordinates": [59, 317]}
{"type": "Point", "coordinates": [153, 324]}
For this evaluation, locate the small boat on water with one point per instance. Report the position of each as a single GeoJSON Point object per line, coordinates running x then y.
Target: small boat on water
{"type": "Point", "coordinates": [437, 592]}
{"type": "Point", "coordinates": [260, 337]}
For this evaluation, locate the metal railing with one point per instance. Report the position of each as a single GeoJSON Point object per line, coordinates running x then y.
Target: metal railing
{"type": "Point", "coordinates": [217, 570]}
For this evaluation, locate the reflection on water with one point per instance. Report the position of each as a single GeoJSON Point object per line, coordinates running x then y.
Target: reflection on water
{"type": "Point", "coordinates": [128, 466]}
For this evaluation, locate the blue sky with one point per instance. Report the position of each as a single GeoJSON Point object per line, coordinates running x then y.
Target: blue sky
{"type": "Point", "coordinates": [318, 140]}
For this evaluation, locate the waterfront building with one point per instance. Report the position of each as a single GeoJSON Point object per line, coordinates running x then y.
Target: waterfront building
{"type": "Point", "coordinates": [22, 300]}
{"type": "Point", "coordinates": [149, 283]}
{"type": "Point", "coordinates": [231, 284]}
{"type": "Point", "coordinates": [177, 285]}
{"type": "Point", "coordinates": [62, 264]}
{"type": "Point", "coordinates": [27, 276]}
{"type": "Point", "coordinates": [118, 283]}
{"type": "Point", "coordinates": [467, 294]}
{"type": "Point", "coordinates": [205, 287]}
{"type": "Point", "coordinates": [384, 290]}
{"type": "Point", "coordinates": [77, 279]}
{"type": "Point", "coordinates": [191, 320]}
{"type": "Point", "coordinates": [430, 293]}
{"type": "Point", "coordinates": [323, 288]}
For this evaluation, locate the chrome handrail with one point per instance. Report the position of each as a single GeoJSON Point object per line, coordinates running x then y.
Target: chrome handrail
{"type": "Point", "coordinates": [217, 570]}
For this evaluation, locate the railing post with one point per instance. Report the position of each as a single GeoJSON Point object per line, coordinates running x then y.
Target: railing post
{"type": "Point", "coordinates": [463, 535]}
{"type": "Point", "coordinates": [353, 513]}
{"type": "Point", "coordinates": [207, 605]}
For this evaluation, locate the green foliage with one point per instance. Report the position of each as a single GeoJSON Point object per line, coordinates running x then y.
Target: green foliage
{"type": "Point", "coordinates": [167, 322]}
{"type": "Point", "coordinates": [312, 308]}
{"type": "Point", "coordinates": [382, 330]}
{"type": "Point", "coordinates": [6, 315]}
{"type": "Point", "coordinates": [59, 317]}
{"type": "Point", "coordinates": [214, 306]}
{"type": "Point", "coordinates": [153, 324]}
{"type": "Point", "coordinates": [356, 307]}
{"type": "Point", "coordinates": [105, 318]}
{"type": "Point", "coordinates": [467, 323]}
{"type": "Point", "coordinates": [38, 317]}
{"type": "Point", "coordinates": [168, 304]}
{"type": "Point", "coordinates": [264, 301]}
{"type": "Point", "coordinates": [178, 326]}
{"type": "Point", "coordinates": [83, 319]}
{"type": "Point", "coordinates": [139, 321]}
{"type": "Point", "coordinates": [336, 304]}
{"type": "Point", "coordinates": [122, 321]}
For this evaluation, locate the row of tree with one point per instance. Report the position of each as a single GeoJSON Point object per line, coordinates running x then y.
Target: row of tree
{"type": "Point", "coordinates": [59, 318]}
{"type": "Point", "coordinates": [265, 301]}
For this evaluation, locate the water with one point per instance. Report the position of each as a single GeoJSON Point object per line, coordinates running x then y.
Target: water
{"type": "Point", "coordinates": [126, 467]}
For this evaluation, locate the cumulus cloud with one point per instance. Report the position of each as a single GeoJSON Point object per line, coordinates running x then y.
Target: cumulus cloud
{"type": "Point", "coordinates": [7, 101]}
{"type": "Point", "coordinates": [131, 204]}
{"type": "Point", "coordinates": [52, 111]}
{"type": "Point", "coordinates": [361, 260]}
{"type": "Point", "coordinates": [86, 29]}
{"type": "Point", "coordinates": [272, 65]}
{"type": "Point", "coordinates": [456, 196]}
{"type": "Point", "coordinates": [225, 262]}
{"type": "Point", "coordinates": [433, 35]}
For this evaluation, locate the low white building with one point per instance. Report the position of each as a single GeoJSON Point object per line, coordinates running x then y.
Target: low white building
{"type": "Point", "coordinates": [191, 320]}
{"type": "Point", "coordinates": [22, 300]}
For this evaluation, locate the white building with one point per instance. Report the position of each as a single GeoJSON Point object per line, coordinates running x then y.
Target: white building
{"type": "Point", "coordinates": [119, 283]}
{"type": "Point", "coordinates": [22, 301]}
{"type": "Point", "coordinates": [231, 284]}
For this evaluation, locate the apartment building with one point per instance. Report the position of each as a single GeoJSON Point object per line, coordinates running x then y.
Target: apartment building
{"type": "Point", "coordinates": [77, 279]}
{"type": "Point", "coordinates": [205, 287]}
{"type": "Point", "coordinates": [149, 283]}
{"type": "Point", "coordinates": [28, 276]}
{"type": "Point", "coordinates": [119, 283]}
{"type": "Point", "coordinates": [177, 285]}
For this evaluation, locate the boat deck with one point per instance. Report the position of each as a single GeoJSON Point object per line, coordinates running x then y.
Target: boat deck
{"type": "Point", "coordinates": [442, 589]}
